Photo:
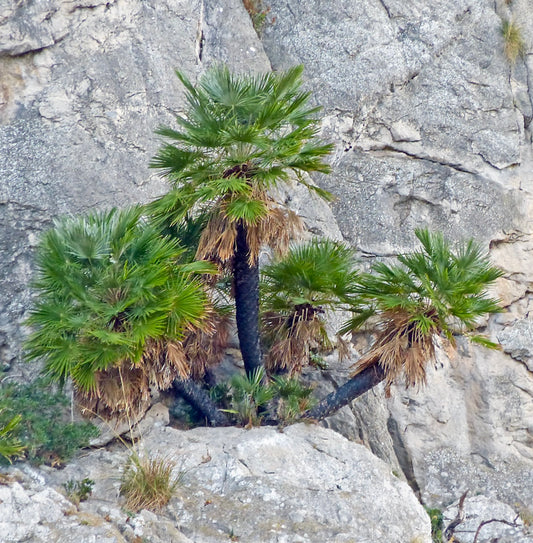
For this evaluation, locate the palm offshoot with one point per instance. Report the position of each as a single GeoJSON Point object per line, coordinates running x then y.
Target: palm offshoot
{"type": "Point", "coordinates": [432, 293]}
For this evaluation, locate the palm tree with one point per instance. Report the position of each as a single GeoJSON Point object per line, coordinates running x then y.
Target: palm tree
{"type": "Point", "coordinates": [432, 293]}
{"type": "Point", "coordinates": [297, 292]}
{"type": "Point", "coordinates": [239, 140]}
{"type": "Point", "coordinates": [112, 308]}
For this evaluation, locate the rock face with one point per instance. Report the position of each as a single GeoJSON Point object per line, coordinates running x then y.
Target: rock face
{"type": "Point", "coordinates": [431, 125]}
{"type": "Point", "coordinates": [479, 406]}
{"type": "Point", "coordinates": [306, 484]}
{"type": "Point", "coordinates": [38, 513]}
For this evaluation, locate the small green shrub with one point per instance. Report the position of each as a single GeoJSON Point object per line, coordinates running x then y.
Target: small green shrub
{"type": "Point", "coordinates": [514, 45]}
{"type": "Point", "coordinates": [252, 398]}
{"type": "Point", "coordinates": [78, 491]}
{"type": "Point", "coordinates": [258, 13]}
{"type": "Point", "coordinates": [249, 395]}
{"type": "Point", "coordinates": [293, 398]}
{"type": "Point", "coordinates": [436, 518]}
{"type": "Point", "coordinates": [148, 483]}
{"type": "Point", "coordinates": [317, 361]}
{"type": "Point", "coordinates": [44, 429]}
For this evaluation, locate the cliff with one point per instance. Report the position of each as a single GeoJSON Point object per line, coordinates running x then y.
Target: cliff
{"type": "Point", "coordinates": [432, 127]}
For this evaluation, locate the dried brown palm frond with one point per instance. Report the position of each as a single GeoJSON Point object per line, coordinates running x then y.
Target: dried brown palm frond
{"type": "Point", "coordinates": [292, 339]}
{"type": "Point", "coordinates": [276, 229]}
{"type": "Point", "coordinates": [124, 390]}
{"type": "Point", "coordinates": [217, 242]}
{"type": "Point", "coordinates": [165, 361]}
{"type": "Point", "coordinates": [120, 391]}
{"type": "Point", "coordinates": [344, 350]}
{"type": "Point", "coordinates": [205, 347]}
{"type": "Point", "coordinates": [401, 347]}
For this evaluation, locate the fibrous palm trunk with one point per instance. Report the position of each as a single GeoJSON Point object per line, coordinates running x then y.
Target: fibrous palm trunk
{"type": "Point", "coordinates": [200, 399]}
{"type": "Point", "coordinates": [352, 389]}
{"type": "Point", "coordinates": [246, 287]}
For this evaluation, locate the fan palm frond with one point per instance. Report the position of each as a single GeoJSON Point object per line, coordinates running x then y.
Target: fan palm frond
{"type": "Point", "coordinates": [10, 445]}
{"type": "Point", "coordinates": [240, 137]}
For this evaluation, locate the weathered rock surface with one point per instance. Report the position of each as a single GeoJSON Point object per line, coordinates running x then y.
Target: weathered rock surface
{"type": "Point", "coordinates": [306, 484]}
{"type": "Point", "coordinates": [37, 513]}
{"type": "Point", "coordinates": [490, 519]}
{"type": "Point", "coordinates": [517, 340]}
{"type": "Point", "coordinates": [468, 428]}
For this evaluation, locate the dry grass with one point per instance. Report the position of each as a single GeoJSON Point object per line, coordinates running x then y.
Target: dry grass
{"type": "Point", "coordinates": [514, 44]}
{"type": "Point", "coordinates": [148, 483]}
{"type": "Point", "coordinates": [258, 13]}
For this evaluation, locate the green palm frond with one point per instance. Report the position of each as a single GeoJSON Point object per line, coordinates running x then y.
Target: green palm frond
{"type": "Point", "coordinates": [108, 286]}
{"type": "Point", "coordinates": [248, 395]}
{"type": "Point", "coordinates": [10, 445]}
{"type": "Point", "coordinates": [453, 283]}
{"type": "Point", "coordinates": [320, 273]}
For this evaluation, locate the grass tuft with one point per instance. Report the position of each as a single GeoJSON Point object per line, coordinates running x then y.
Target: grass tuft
{"type": "Point", "coordinates": [148, 483]}
{"type": "Point", "coordinates": [78, 491]}
{"type": "Point", "coordinates": [514, 45]}
{"type": "Point", "coordinates": [437, 526]}
{"type": "Point", "coordinates": [258, 13]}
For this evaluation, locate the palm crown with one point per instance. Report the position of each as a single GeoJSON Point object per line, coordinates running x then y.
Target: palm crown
{"type": "Point", "coordinates": [298, 290]}
{"type": "Point", "coordinates": [112, 306]}
{"type": "Point", "coordinates": [240, 138]}
{"type": "Point", "coordinates": [432, 292]}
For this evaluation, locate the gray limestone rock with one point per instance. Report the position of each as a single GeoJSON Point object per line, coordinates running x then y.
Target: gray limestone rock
{"type": "Point", "coordinates": [306, 484]}
{"type": "Point", "coordinates": [364, 420]}
{"type": "Point", "coordinates": [468, 428]}
{"type": "Point", "coordinates": [517, 340]}
{"type": "Point", "coordinates": [157, 415]}
{"type": "Point", "coordinates": [40, 515]}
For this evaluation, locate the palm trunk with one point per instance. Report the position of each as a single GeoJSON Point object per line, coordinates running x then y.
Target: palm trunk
{"type": "Point", "coordinates": [351, 390]}
{"type": "Point", "coordinates": [201, 401]}
{"type": "Point", "coordinates": [246, 286]}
